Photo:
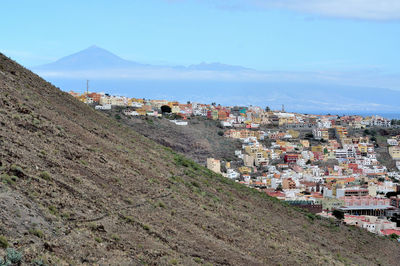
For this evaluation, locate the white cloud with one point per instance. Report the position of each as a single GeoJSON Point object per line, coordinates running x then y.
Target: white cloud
{"type": "Point", "coordinates": [365, 78]}
{"type": "Point", "coordinates": [351, 9]}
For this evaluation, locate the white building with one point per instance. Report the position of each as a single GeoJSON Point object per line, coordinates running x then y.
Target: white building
{"type": "Point", "coordinates": [103, 107]}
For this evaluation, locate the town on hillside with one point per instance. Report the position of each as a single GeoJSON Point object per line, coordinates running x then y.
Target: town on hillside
{"type": "Point", "coordinates": [347, 167]}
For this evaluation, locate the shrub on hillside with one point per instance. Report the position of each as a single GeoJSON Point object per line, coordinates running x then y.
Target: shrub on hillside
{"type": "Point", "coordinates": [13, 256]}
{"type": "Point", "coordinates": [338, 214]}
{"type": "Point", "coordinates": [45, 175]}
{"type": "Point", "coordinates": [3, 242]}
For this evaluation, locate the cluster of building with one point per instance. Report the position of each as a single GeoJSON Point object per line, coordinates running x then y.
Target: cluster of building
{"type": "Point", "coordinates": [374, 224]}
{"type": "Point", "coordinates": [323, 170]}
{"type": "Point", "coordinates": [310, 161]}
{"type": "Point", "coordinates": [230, 116]}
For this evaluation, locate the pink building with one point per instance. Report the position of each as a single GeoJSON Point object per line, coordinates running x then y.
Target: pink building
{"type": "Point", "coordinates": [365, 205]}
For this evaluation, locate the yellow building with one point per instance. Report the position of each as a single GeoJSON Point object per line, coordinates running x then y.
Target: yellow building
{"type": "Point", "coordinates": [317, 148]}
{"type": "Point", "coordinates": [362, 148]}
{"type": "Point", "coordinates": [394, 152]}
{"type": "Point", "coordinates": [295, 134]}
{"type": "Point", "coordinates": [341, 131]}
{"type": "Point", "coordinates": [214, 165]}
{"type": "Point", "coordinates": [244, 170]}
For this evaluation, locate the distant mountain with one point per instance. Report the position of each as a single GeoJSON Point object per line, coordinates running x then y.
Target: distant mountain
{"type": "Point", "coordinates": [91, 58]}
{"type": "Point", "coordinates": [95, 58]}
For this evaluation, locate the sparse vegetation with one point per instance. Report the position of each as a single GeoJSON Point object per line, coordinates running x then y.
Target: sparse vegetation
{"type": "Point", "coordinates": [173, 262]}
{"type": "Point", "coordinates": [115, 237]}
{"type": "Point", "coordinates": [6, 179]}
{"type": "Point", "coordinates": [45, 175]}
{"type": "Point", "coordinates": [53, 210]}
{"type": "Point", "coordinates": [16, 170]}
{"type": "Point", "coordinates": [146, 227]}
{"type": "Point", "coordinates": [36, 232]}
{"type": "Point", "coordinates": [3, 242]}
{"type": "Point", "coordinates": [12, 257]}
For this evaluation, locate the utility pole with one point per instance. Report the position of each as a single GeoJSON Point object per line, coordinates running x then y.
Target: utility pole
{"type": "Point", "coordinates": [87, 91]}
{"type": "Point", "coordinates": [283, 108]}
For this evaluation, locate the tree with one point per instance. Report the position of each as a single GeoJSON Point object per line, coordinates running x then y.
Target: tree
{"type": "Point", "coordinates": [166, 109]}
{"type": "Point", "coordinates": [267, 109]}
{"type": "Point", "coordinates": [338, 214]}
{"type": "Point", "coordinates": [391, 194]}
{"type": "Point", "coordinates": [309, 136]}
{"type": "Point", "coordinates": [279, 187]}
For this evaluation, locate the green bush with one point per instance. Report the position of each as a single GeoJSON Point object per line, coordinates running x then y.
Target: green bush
{"type": "Point", "coordinates": [146, 227]}
{"type": "Point", "coordinates": [45, 175]}
{"type": "Point", "coordinates": [128, 219]}
{"type": "Point", "coordinates": [38, 262]}
{"type": "Point", "coordinates": [17, 170]}
{"type": "Point", "coordinates": [53, 210]}
{"type": "Point", "coordinates": [36, 232]}
{"type": "Point", "coordinates": [181, 160]}
{"type": "Point", "coordinates": [197, 260]}
{"type": "Point", "coordinates": [310, 216]}
{"type": "Point", "coordinates": [115, 237]}
{"type": "Point", "coordinates": [13, 256]}
{"type": "Point", "coordinates": [173, 262]}
{"type": "Point", "coordinates": [6, 179]}
{"type": "Point", "coordinates": [3, 242]}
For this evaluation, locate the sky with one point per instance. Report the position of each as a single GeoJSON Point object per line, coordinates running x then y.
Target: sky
{"type": "Point", "coordinates": [360, 38]}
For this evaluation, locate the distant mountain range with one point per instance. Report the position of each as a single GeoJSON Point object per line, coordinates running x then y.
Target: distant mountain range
{"type": "Point", "coordinates": [96, 58]}
{"type": "Point", "coordinates": [216, 82]}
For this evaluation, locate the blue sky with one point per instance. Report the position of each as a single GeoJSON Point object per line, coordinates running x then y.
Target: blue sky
{"type": "Point", "coordinates": [340, 37]}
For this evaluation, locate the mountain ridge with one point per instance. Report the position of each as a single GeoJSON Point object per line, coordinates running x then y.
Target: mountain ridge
{"type": "Point", "coordinates": [95, 57]}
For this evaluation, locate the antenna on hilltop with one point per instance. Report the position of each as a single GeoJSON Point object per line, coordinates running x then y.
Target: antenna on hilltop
{"type": "Point", "coordinates": [87, 87]}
